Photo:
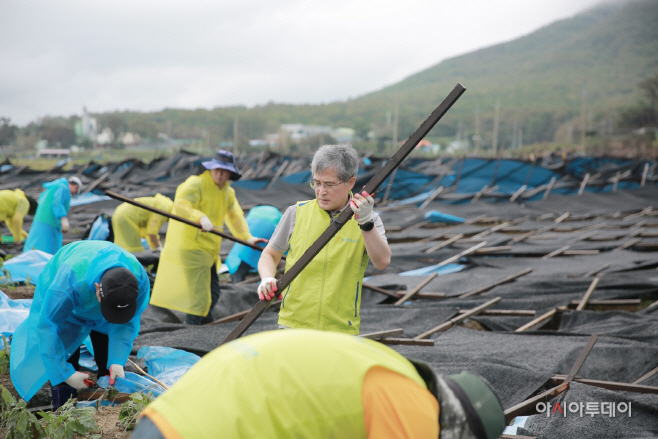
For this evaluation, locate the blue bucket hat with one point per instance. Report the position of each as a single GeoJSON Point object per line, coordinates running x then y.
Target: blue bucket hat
{"type": "Point", "coordinates": [223, 160]}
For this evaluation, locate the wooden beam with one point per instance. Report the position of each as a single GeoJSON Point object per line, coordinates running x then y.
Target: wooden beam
{"type": "Point", "coordinates": [506, 312]}
{"type": "Point", "coordinates": [383, 334]}
{"type": "Point", "coordinates": [556, 252]}
{"type": "Point", "coordinates": [406, 341]}
{"type": "Point", "coordinates": [431, 197]}
{"type": "Point", "coordinates": [496, 283]}
{"type": "Point", "coordinates": [612, 302]}
{"type": "Point", "coordinates": [628, 244]}
{"type": "Point", "coordinates": [460, 318]}
{"type": "Point", "coordinates": [588, 293]}
{"type": "Point", "coordinates": [538, 321]}
{"type": "Point", "coordinates": [237, 316]}
{"type": "Point", "coordinates": [411, 293]}
{"type": "Point", "coordinates": [529, 404]}
{"type": "Point", "coordinates": [646, 376]}
{"type": "Point", "coordinates": [596, 270]}
{"type": "Point", "coordinates": [610, 385]}
{"type": "Point", "coordinates": [445, 243]}
{"type": "Point", "coordinates": [581, 358]}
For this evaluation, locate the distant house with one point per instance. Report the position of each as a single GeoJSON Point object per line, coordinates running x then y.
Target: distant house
{"type": "Point", "coordinates": [53, 153]}
{"type": "Point", "coordinates": [298, 131]}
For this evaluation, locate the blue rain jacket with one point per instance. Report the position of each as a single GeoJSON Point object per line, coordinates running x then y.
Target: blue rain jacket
{"type": "Point", "coordinates": [46, 231]}
{"type": "Point", "coordinates": [65, 310]}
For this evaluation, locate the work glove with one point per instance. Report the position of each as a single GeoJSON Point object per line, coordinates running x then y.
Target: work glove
{"type": "Point", "coordinates": [267, 288]}
{"type": "Point", "coordinates": [77, 380]}
{"type": "Point", "coordinates": [65, 225]}
{"type": "Point", "coordinates": [116, 371]}
{"type": "Point", "coordinates": [254, 240]}
{"type": "Point", "coordinates": [206, 224]}
{"type": "Point", "coordinates": [158, 248]}
{"type": "Point", "coordinates": [361, 205]}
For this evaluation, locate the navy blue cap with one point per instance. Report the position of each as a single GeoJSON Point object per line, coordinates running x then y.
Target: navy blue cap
{"type": "Point", "coordinates": [223, 160]}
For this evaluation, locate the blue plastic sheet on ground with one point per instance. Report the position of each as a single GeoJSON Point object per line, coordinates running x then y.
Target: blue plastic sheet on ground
{"type": "Point", "coordinates": [446, 269]}
{"type": "Point", "coordinates": [87, 355]}
{"type": "Point", "coordinates": [435, 216]}
{"type": "Point", "coordinates": [167, 364]}
{"type": "Point", "coordinates": [100, 229]}
{"type": "Point", "coordinates": [298, 178]}
{"type": "Point", "coordinates": [12, 314]}
{"type": "Point", "coordinates": [132, 383]}
{"type": "Point", "coordinates": [88, 198]}
{"type": "Point", "coordinates": [28, 266]}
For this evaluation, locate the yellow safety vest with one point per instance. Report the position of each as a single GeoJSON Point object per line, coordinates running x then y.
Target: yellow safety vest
{"type": "Point", "coordinates": [183, 279]}
{"type": "Point", "coordinates": [327, 293]}
{"type": "Point", "coordinates": [275, 384]}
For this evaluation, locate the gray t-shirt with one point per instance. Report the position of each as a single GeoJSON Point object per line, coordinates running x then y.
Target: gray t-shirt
{"type": "Point", "coordinates": [283, 232]}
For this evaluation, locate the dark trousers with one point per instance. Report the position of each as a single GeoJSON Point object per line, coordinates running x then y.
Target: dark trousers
{"type": "Point", "coordinates": [214, 297]}
{"type": "Point", "coordinates": [100, 342]}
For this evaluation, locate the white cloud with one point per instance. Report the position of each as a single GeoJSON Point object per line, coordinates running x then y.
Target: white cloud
{"type": "Point", "coordinates": [147, 55]}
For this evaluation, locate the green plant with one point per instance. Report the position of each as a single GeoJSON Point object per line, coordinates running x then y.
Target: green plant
{"type": "Point", "coordinates": [20, 423]}
{"type": "Point", "coordinates": [130, 410]}
{"type": "Point", "coordinates": [69, 420]}
{"type": "Point", "coordinates": [5, 275]}
{"type": "Point", "coordinates": [4, 355]}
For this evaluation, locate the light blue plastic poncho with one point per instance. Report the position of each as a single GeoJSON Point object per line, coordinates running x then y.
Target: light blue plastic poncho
{"type": "Point", "coordinates": [46, 231]}
{"type": "Point", "coordinates": [65, 310]}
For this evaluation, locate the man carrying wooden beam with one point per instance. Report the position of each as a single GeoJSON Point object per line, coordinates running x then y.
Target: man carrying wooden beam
{"type": "Point", "coordinates": [316, 384]}
{"type": "Point", "coordinates": [327, 294]}
{"type": "Point", "coordinates": [187, 278]}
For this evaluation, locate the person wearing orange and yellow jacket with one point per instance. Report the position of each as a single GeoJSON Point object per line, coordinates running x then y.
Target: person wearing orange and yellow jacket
{"type": "Point", "coordinates": [131, 223]}
{"type": "Point", "coordinates": [187, 277]}
{"type": "Point", "coordinates": [305, 383]}
{"type": "Point", "coordinates": [14, 205]}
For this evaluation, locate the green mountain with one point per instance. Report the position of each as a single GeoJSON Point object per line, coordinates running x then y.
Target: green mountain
{"type": "Point", "coordinates": [539, 79]}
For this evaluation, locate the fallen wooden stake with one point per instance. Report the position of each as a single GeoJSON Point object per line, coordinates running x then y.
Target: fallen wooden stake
{"type": "Point", "coordinates": [506, 312]}
{"type": "Point", "coordinates": [588, 293]}
{"type": "Point", "coordinates": [596, 270]}
{"type": "Point", "coordinates": [529, 404]}
{"type": "Point", "coordinates": [646, 376]}
{"type": "Point", "coordinates": [147, 375]}
{"type": "Point", "coordinates": [460, 318]}
{"type": "Point", "coordinates": [496, 283]}
{"type": "Point", "coordinates": [612, 302]}
{"type": "Point", "coordinates": [407, 341]}
{"type": "Point", "coordinates": [538, 321]}
{"type": "Point", "coordinates": [444, 243]}
{"type": "Point", "coordinates": [382, 334]}
{"type": "Point", "coordinates": [556, 252]}
{"type": "Point", "coordinates": [411, 293]}
{"type": "Point", "coordinates": [610, 385]}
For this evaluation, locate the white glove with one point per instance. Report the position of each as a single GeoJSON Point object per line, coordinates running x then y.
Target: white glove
{"type": "Point", "coordinates": [255, 240]}
{"type": "Point", "coordinates": [65, 225]}
{"type": "Point", "coordinates": [116, 371]}
{"type": "Point", "coordinates": [77, 380]}
{"type": "Point", "coordinates": [206, 224]}
{"type": "Point", "coordinates": [267, 288]}
{"type": "Point", "coordinates": [158, 248]}
{"type": "Point", "coordinates": [361, 205]}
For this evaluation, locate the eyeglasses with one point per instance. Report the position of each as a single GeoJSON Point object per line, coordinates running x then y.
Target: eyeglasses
{"type": "Point", "coordinates": [328, 186]}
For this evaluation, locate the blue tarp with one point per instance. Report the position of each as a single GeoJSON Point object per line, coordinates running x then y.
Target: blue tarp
{"type": "Point", "coordinates": [435, 216]}
{"type": "Point", "coordinates": [12, 314]}
{"type": "Point", "coordinates": [88, 198]}
{"type": "Point", "coordinates": [28, 266]}
{"type": "Point", "coordinates": [167, 364]}
{"type": "Point", "coordinates": [425, 271]}
{"type": "Point", "coordinates": [133, 383]}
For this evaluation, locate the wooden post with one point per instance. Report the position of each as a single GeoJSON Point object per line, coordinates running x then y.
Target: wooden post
{"type": "Point", "coordinates": [411, 293]}
{"type": "Point", "coordinates": [588, 294]}
{"type": "Point", "coordinates": [496, 283]}
{"type": "Point", "coordinates": [460, 318]}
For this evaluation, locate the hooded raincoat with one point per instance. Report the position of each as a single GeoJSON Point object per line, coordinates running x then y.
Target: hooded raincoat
{"type": "Point", "coordinates": [131, 223]}
{"type": "Point", "coordinates": [46, 230]}
{"type": "Point", "coordinates": [13, 208]}
{"type": "Point", "coordinates": [64, 311]}
{"type": "Point", "coordinates": [183, 279]}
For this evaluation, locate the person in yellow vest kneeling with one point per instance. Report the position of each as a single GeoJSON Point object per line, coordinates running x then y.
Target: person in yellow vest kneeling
{"type": "Point", "coordinates": [316, 384]}
{"type": "Point", "coordinates": [327, 293]}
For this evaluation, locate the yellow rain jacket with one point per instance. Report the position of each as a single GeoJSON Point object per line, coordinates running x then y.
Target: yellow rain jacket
{"type": "Point", "coordinates": [244, 389]}
{"type": "Point", "coordinates": [13, 208]}
{"type": "Point", "coordinates": [327, 293]}
{"type": "Point", "coordinates": [131, 223]}
{"type": "Point", "coordinates": [183, 279]}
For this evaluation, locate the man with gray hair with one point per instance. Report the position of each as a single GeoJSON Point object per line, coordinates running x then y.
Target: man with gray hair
{"type": "Point", "coordinates": [327, 293]}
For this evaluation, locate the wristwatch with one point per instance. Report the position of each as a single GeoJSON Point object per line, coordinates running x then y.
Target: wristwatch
{"type": "Point", "coordinates": [366, 227]}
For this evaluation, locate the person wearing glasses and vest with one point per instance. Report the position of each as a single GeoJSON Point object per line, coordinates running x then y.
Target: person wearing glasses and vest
{"type": "Point", "coordinates": [327, 293]}
{"type": "Point", "coordinates": [318, 384]}
{"type": "Point", "coordinates": [187, 277]}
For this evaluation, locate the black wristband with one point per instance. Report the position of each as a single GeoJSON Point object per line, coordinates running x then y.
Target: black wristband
{"type": "Point", "coordinates": [366, 227]}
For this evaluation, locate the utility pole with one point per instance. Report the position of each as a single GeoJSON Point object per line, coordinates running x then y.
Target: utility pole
{"type": "Point", "coordinates": [396, 120]}
{"type": "Point", "coordinates": [515, 133]}
{"type": "Point", "coordinates": [235, 136]}
{"type": "Point", "coordinates": [494, 143]}
{"type": "Point", "coordinates": [583, 116]}
{"type": "Point", "coordinates": [477, 138]}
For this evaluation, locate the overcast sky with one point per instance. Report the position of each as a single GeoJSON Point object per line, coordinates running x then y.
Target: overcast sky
{"type": "Point", "coordinates": [145, 55]}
